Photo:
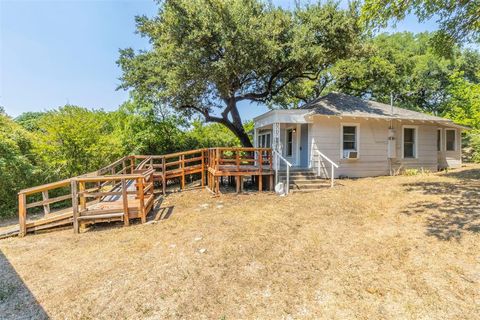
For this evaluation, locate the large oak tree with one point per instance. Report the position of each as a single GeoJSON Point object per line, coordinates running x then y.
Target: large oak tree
{"type": "Point", "coordinates": [209, 55]}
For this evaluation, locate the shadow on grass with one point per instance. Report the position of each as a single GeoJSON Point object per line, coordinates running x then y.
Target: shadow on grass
{"type": "Point", "coordinates": [16, 300]}
{"type": "Point", "coordinates": [157, 213]}
{"type": "Point", "coordinates": [160, 213]}
{"type": "Point", "coordinates": [458, 211]}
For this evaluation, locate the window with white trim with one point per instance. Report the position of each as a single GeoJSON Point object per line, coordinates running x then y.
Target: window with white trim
{"type": "Point", "coordinates": [289, 142]}
{"type": "Point", "coordinates": [450, 137]}
{"type": "Point", "coordinates": [409, 142]}
{"type": "Point", "coordinates": [439, 139]}
{"type": "Point", "coordinates": [349, 139]}
{"type": "Point", "coordinates": [264, 140]}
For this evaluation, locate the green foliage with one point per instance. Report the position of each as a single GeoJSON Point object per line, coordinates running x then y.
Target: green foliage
{"type": "Point", "coordinates": [74, 140]}
{"type": "Point", "coordinates": [42, 147]}
{"type": "Point", "coordinates": [459, 21]}
{"type": "Point", "coordinates": [211, 135]}
{"type": "Point", "coordinates": [208, 55]}
{"type": "Point", "coordinates": [29, 120]}
{"type": "Point", "coordinates": [18, 166]}
{"type": "Point", "coordinates": [464, 108]}
{"type": "Point", "coordinates": [144, 128]}
{"type": "Point", "coordinates": [415, 172]}
{"type": "Point", "coordinates": [402, 64]}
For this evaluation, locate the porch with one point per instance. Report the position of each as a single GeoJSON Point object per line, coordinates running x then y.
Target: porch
{"type": "Point", "coordinates": [287, 132]}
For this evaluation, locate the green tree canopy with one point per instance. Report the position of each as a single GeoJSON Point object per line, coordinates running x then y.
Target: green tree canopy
{"type": "Point", "coordinates": [74, 140]}
{"type": "Point", "coordinates": [403, 64]}
{"type": "Point", "coordinates": [208, 55]}
{"type": "Point", "coordinates": [19, 168]}
{"type": "Point", "coordinates": [459, 21]}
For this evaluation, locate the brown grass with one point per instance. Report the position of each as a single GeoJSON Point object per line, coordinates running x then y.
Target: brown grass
{"type": "Point", "coordinates": [375, 248]}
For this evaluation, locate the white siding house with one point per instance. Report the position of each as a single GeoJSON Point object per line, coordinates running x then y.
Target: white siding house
{"type": "Point", "coordinates": [364, 138]}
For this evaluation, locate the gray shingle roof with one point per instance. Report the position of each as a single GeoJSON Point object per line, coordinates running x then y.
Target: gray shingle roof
{"type": "Point", "coordinates": [339, 104]}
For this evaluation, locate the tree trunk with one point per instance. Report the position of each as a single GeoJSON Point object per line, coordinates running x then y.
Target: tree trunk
{"type": "Point", "coordinates": [239, 130]}
{"type": "Point", "coordinates": [243, 137]}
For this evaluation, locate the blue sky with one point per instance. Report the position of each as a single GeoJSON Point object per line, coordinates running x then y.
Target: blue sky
{"type": "Point", "coordinates": [58, 52]}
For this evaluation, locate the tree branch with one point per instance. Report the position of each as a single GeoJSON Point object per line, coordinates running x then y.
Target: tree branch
{"type": "Point", "coordinates": [272, 92]}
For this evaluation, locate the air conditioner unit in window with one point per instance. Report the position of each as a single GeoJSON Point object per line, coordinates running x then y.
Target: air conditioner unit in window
{"type": "Point", "coordinates": [352, 155]}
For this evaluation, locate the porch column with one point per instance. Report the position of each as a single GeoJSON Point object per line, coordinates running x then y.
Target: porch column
{"type": "Point", "coordinates": [276, 144]}
{"type": "Point", "coordinates": [255, 137]}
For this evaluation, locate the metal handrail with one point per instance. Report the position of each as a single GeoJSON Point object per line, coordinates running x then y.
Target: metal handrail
{"type": "Point", "coordinates": [333, 165]}
{"type": "Point", "coordinates": [279, 156]}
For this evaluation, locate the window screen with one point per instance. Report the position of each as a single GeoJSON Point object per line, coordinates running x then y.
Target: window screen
{"type": "Point", "coordinates": [350, 138]}
{"type": "Point", "coordinates": [450, 140]}
{"type": "Point", "coordinates": [409, 143]}
{"type": "Point", "coordinates": [289, 142]}
{"type": "Point", "coordinates": [439, 140]}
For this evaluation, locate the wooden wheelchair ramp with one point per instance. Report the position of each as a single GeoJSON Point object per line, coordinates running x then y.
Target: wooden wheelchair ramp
{"type": "Point", "coordinates": [124, 190]}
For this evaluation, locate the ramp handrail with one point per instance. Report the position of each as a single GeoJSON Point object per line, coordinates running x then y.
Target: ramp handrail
{"type": "Point", "coordinates": [278, 157]}
{"type": "Point", "coordinates": [333, 165]}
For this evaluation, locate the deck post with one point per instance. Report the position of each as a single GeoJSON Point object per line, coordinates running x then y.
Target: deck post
{"type": "Point", "coordinates": [132, 164]}
{"type": "Point", "coordinates": [260, 165]}
{"type": "Point", "coordinates": [46, 206]}
{"type": "Point", "coordinates": [237, 159]}
{"type": "Point", "coordinates": [126, 221]}
{"type": "Point", "coordinates": [83, 200]}
{"type": "Point", "coordinates": [182, 163]}
{"type": "Point", "coordinates": [203, 168]}
{"type": "Point", "coordinates": [73, 188]}
{"type": "Point", "coordinates": [141, 200]}
{"type": "Point", "coordinates": [238, 182]}
{"type": "Point", "coordinates": [164, 177]}
{"type": "Point", "coordinates": [22, 214]}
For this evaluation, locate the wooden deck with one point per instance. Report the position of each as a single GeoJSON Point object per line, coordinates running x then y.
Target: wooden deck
{"type": "Point", "coordinates": [124, 190]}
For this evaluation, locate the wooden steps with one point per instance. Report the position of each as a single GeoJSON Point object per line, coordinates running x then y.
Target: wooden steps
{"type": "Point", "coordinates": [101, 216]}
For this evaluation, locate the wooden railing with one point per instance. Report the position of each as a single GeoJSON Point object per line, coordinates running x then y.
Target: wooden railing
{"type": "Point", "coordinates": [70, 200]}
{"type": "Point", "coordinates": [54, 201]}
{"type": "Point", "coordinates": [320, 160]}
{"type": "Point", "coordinates": [140, 184]}
{"type": "Point", "coordinates": [63, 198]}
{"type": "Point", "coordinates": [240, 159]}
{"type": "Point", "coordinates": [278, 160]}
{"type": "Point", "coordinates": [175, 165]}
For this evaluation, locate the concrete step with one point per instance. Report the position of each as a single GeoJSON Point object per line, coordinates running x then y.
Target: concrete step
{"type": "Point", "coordinates": [306, 190]}
{"type": "Point", "coordinates": [308, 181]}
{"type": "Point", "coordinates": [298, 174]}
{"type": "Point", "coordinates": [309, 186]}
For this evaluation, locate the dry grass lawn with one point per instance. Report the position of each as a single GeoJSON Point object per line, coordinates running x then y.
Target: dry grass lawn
{"type": "Point", "coordinates": [375, 248]}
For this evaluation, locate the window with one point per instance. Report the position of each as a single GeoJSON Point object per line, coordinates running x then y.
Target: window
{"type": "Point", "coordinates": [439, 140]}
{"type": "Point", "coordinates": [409, 142]}
{"type": "Point", "coordinates": [264, 140]}
{"type": "Point", "coordinates": [450, 140]}
{"type": "Point", "coordinates": [289, 142]}
{"type": "Point", "coordinates": [349, 139]}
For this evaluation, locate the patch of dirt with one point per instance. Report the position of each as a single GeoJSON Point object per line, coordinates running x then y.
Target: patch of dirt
{"type": "Point", "coordinates": [373, 248]}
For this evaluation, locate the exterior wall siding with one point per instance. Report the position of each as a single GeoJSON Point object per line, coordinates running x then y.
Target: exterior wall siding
{"type": "Point", "coordinates": [325, 135]}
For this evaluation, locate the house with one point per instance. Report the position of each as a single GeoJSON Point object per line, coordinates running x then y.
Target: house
{"type": "Point", "coordinates": [363, 138]}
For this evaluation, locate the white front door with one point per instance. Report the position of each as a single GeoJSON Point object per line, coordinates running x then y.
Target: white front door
{"type": "Point", "coordinates": [290, 148]}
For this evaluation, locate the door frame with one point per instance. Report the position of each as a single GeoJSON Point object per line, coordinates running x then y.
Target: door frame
{"type": "Point", "coordinates": [294, 159]}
